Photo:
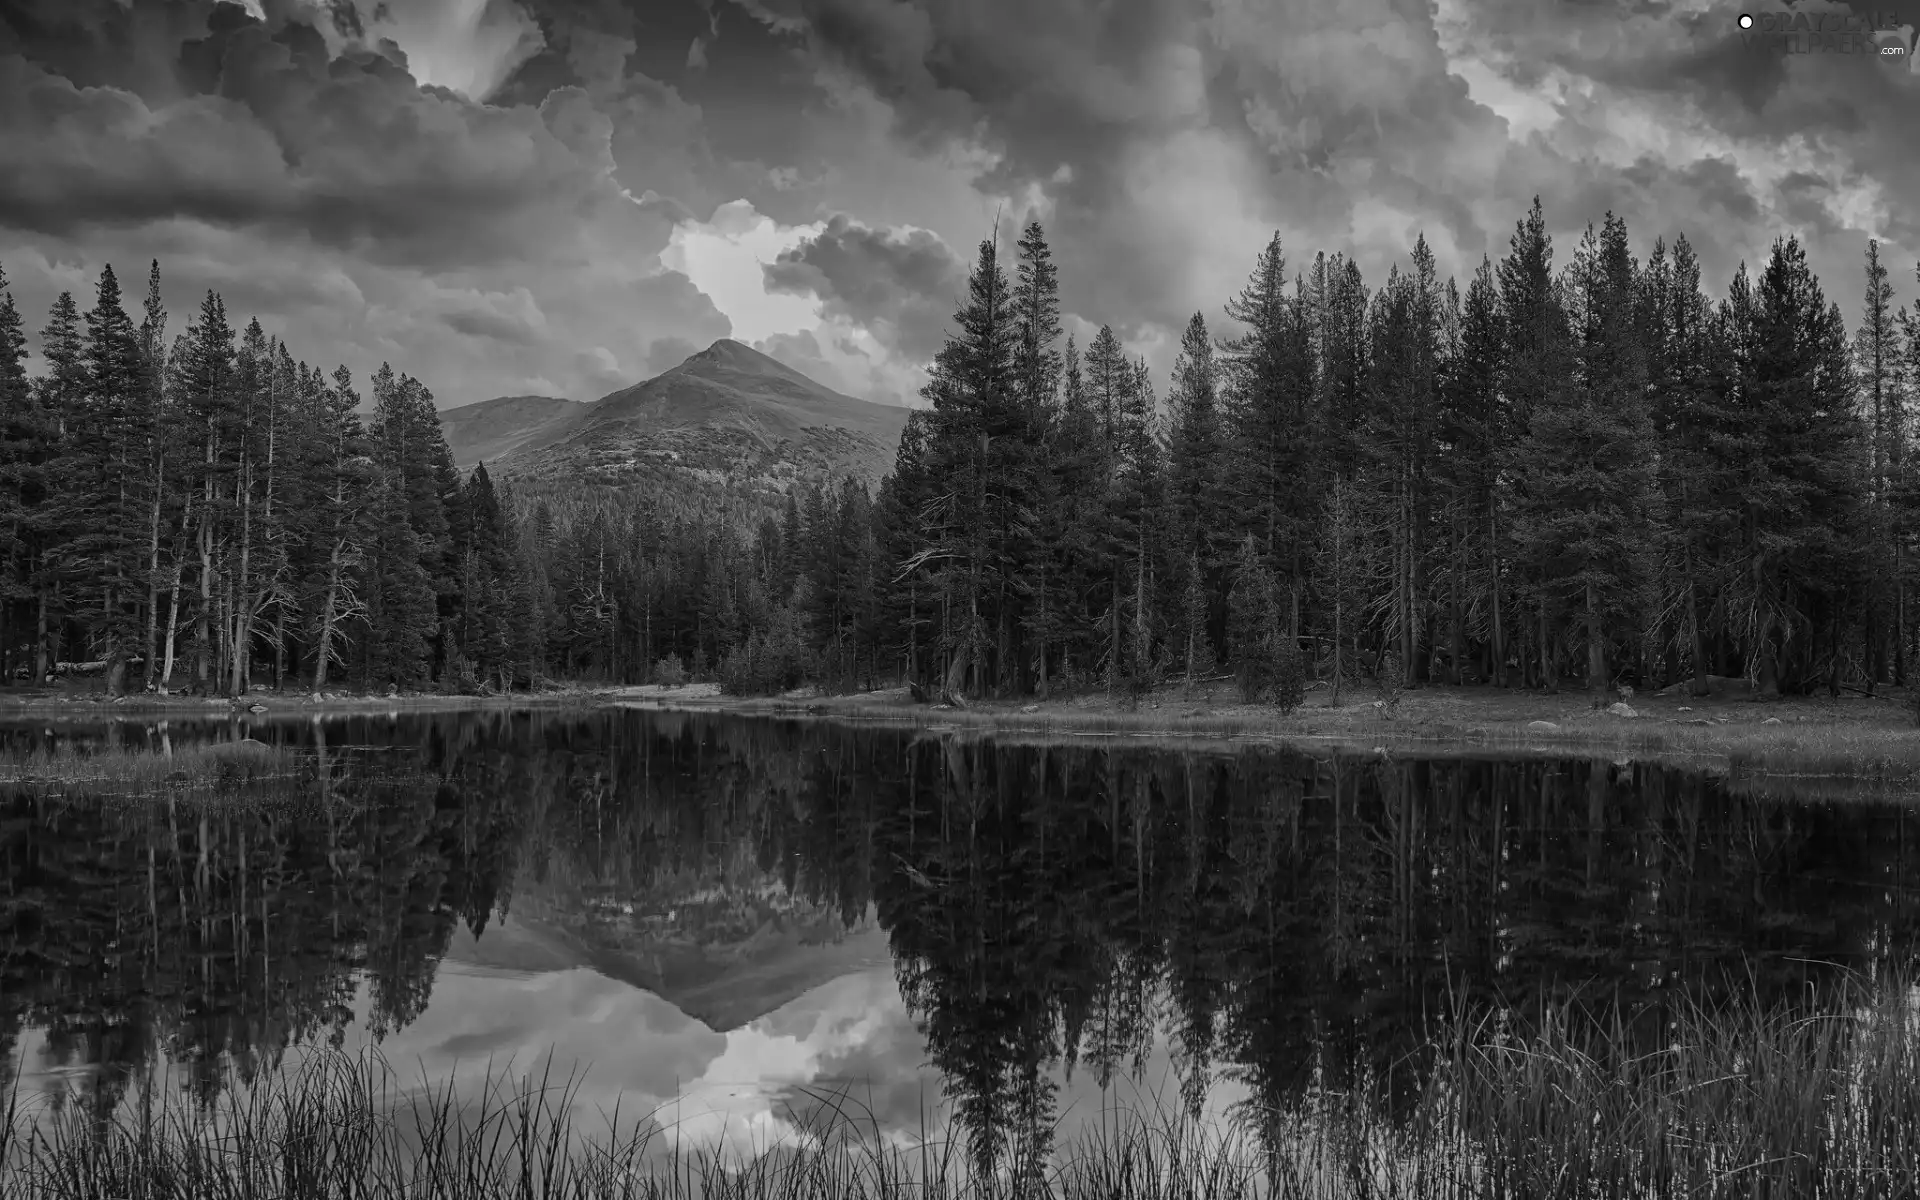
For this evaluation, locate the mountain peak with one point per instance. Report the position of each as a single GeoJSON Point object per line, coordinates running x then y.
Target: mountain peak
{"type": "Point", "coordinates": [728, 352]}
{"type": "Point", "coordinates": [728, 412]}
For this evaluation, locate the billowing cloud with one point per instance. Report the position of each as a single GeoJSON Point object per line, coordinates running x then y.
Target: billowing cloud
{"type": "Point", "coordinates": [562, 190]}
{"type": "Point", "coordinates": [363, 212]}
{"type": "Point", "coordinates": [727, 256]}
{"type": "Point", "coordinates": [902, 285]}
{"type": "Point", "coordinates": [1167, 138]}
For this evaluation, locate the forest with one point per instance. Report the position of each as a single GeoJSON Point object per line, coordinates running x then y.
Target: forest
{"type": "Point", "coordinates": [1584, 474]}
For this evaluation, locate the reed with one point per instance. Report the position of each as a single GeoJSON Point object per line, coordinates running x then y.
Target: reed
{"type": "Point", "coordinates": [200, 768]}
{"type": "Point", "coordinates": [1811, 1098]}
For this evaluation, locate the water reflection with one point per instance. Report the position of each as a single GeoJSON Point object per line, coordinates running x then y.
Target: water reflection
{"type": "Point", "coordinates": [757, 906]}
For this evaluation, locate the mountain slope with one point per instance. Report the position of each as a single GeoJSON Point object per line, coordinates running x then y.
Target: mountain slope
{"type": "Point", "coordinates": [728, 415]}
{"type": "Point", "coordinates": [723, 981]}
{"type": "Point", "coordinates": [493, 429]}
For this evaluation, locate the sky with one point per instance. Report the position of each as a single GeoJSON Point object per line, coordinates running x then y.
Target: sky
{"type": "Point", "coordinates": [564, 197]}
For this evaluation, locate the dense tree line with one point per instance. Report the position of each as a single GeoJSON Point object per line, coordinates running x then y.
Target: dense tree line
{"type": "Point", "coordinates": [207, 513]}
{"type": "Point", "coordinates": [210, 514]}
{"type": "Point", "coordinates": [1585, 474]}
{"type": "Point", "coordinates": [1581, 473]}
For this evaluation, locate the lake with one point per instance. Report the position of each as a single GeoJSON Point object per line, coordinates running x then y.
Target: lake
{"type": "Point", "coordinates": [732, 924]}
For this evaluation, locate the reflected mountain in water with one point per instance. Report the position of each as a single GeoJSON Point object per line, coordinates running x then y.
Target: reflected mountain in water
{"type": "Point", "coordinates": [1281, 920]}
{"type": "Point", "coordinates": [722, 984]}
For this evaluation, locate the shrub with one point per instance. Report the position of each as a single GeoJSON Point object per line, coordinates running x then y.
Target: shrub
{"type": "Point", "coordinates": [772, 661]}
{"type": "Point", "coordinates": [670, 671]}
{"type": "Point", "coordinates": [1287, 684]}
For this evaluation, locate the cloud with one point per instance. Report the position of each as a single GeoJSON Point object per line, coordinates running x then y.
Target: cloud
{"type": "Point", "coordinates": [466, 46]}
{"type": "Point", "coordinates": [664, 354]}
{"type": "Point", "coordinates": [363, 213]}
{"type": "Point", "coordinates": [727, 255]}
{"type": "Point", "coordinates": [902, 285]}
{"type": "Point", "coordinates": [1168, 138]}
{"type": "Point", "coordinates": [850, 142]}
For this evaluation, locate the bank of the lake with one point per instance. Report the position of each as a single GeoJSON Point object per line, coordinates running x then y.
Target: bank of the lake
{"type": "Point", "coordinates": [75, 703]}
{"type": "Point", "coordinates": [1853, 738]}
{"type": "Point", "coordinates": [1814, 741]}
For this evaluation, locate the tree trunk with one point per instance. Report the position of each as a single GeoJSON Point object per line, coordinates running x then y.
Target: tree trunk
{"type": "Point", "coordinates": [40, 640]}
{"type": "Point", "coordinates": [1899, 616]}
{"type": "Point", "coordinates": [1499, 649]}
{"type": "Point", "coordinates": [242, 608]}
{"type": "Point", "coordinates": [1549, 669]}
{"type": "Point", "coordinates": [1044, 688]}
{"type": "Point", "coordinates": [1701, 686]}
{"type": "Point", "coordinates": [153, 578]}
{"type": "Point", "coordinates": [204, 647]}
{"type": "Point", "coordinates": [1457, 638]}
{"type": "Point", "coordinates": [1596, 645]}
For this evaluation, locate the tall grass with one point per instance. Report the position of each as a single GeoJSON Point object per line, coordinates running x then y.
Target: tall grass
{"type": "Point", "coordinates": [97, 771]}
{"type": "Point", "coordinates": [1812, 1098]}
{"type": "Point", "coordinates": [1816, 1097]}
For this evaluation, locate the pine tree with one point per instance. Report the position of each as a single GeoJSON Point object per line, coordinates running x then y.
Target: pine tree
{"type": "Point", "coordinates": [1254, 630]}
{"type": "Point", "coordinates": [23, 439]}
{"type": "Point", "coordinates": [1877, 357]}
{"type": "Point", "coordinates": [1195, 651]}
{"type": "Point", "coordinates": [1536, 367]}
{"type": "Point", "coordinates": [1196, 457]}
{"type": "Point", "coordinates": [1395, 440]}
{"type": "Point", "coordinates": [1275, 436]}
{"type": "Point", "coordinates": [977, 501]}
{"type": "Point", "coordinates": [1343, 570]}
{"type": "Point", "coordinates": [154, 429]}
{"type": "Point", "coordinates": [1798, 564]}
{"type": "Point", "coordinates": [408, 530]}
{"type": "Point", "coordinates": [488, 580]}
{"type": "Point", "coordinates": [1072, 524]}
{"type": "Point", "coordinates": [1589, 477]}
{"type": "Point", "coordinates": [1698, 443]}
{"type": "Point", "coordinates": [1341, 336]}
{"type": "Point", "coordinates": [1036, 496]}
{"type": "Point", "coordinates": [96, 555]}
{"type": "Point", "coordinates": [1475, 429]}
{"type": "Point", "coordinates": [343, 484]}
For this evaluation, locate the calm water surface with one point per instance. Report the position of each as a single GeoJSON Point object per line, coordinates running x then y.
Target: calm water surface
{"type": "Point", "coordinates": [728, 919]}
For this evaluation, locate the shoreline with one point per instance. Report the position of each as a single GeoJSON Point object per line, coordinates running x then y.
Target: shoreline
{"type": "Point", "coordinates": [1855, 738]}
{"type": "Point", "coordinates": [23, 706]}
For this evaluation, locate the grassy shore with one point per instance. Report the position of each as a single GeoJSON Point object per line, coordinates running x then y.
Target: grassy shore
{"type": "Point", "coordinates": [1802, 741]}
{"type": "Point", "coordinates": [83, 702]}
{"type": "Point", "coordinates": [1810, 745]}
{"type": "Point", "coordinates": [186, 771]}
{"type": "Point", "coordinates": [1802, 1099]}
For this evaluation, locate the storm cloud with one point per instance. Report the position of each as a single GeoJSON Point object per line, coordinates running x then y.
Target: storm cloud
{"type": "Point", "coordinates": [481, 190]}
{"type": "Point", "coordinates": [902, 285]}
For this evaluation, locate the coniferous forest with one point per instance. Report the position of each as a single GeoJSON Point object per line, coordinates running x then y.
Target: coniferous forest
{"type": "Point", "coordinates": [1564, 472]}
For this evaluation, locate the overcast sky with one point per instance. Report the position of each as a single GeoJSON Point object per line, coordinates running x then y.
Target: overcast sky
{"type": "Point", "coordinates": [563, 197]}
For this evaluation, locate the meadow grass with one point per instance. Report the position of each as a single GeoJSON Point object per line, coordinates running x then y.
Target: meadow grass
{"type": "Point", "coordinates": [105, 771]}
{"type": "Point", "coordinates": [1803, 1099]}
{"type": "Point", "coordinates": [1841, 751]}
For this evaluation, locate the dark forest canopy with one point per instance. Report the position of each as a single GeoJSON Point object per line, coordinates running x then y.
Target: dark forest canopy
{"type": "Point", "coordinates": [1586, 472]}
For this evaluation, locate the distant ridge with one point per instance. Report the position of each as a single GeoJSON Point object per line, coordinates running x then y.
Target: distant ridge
{"type": "Point", "coordinates": [727, 416]}
{"type": "Point", "coordinates": [723, 985]}
{"type": "Point", "coordinates": [493, 429]}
